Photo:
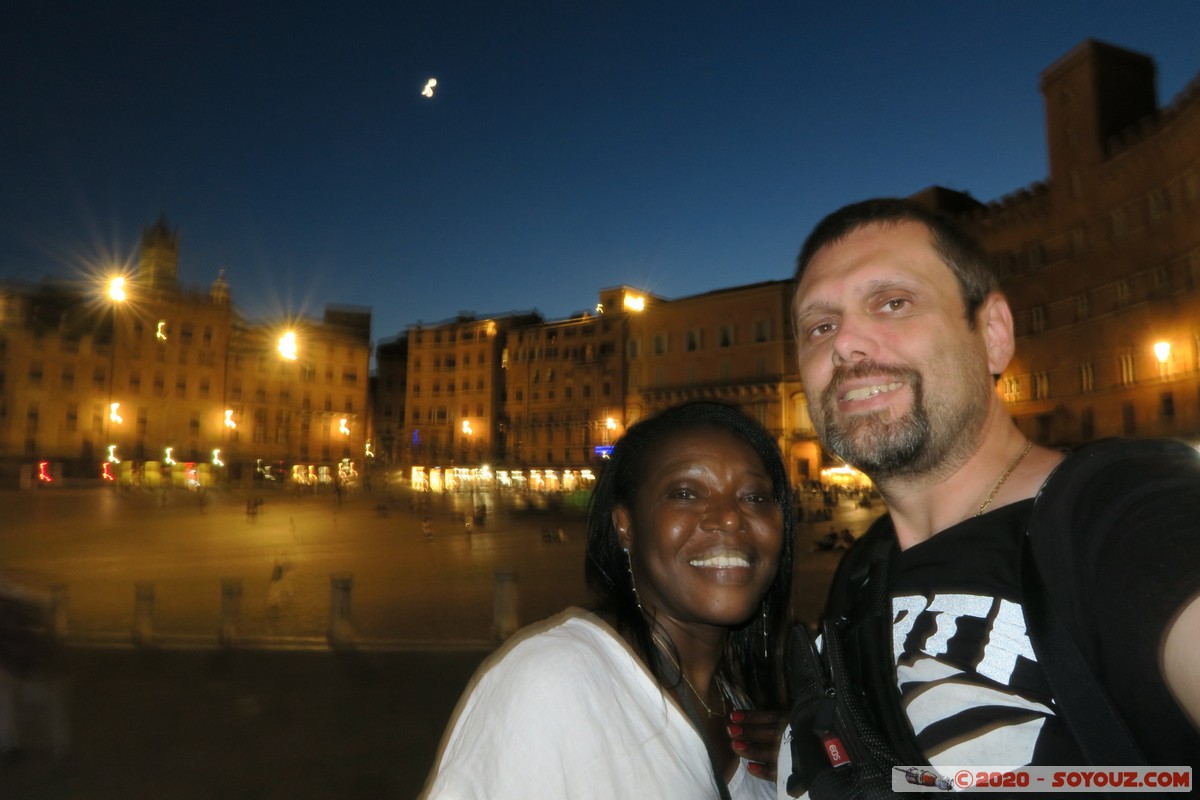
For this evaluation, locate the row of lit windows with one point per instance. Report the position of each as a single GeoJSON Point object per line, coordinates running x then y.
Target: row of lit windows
{"type": "Point", "coordinates": [1156, 282]}
{"type": "Point", "coordinates": [450, 388]}
{"type": "Point", "coordinates": [1087, 420]}
{"type": "Point", "coordinates": [262, 432]}
{"type": "Point", "coordinates": [439, 413]}
{"type": "Point", "coordinates": [1038, 383]}
{"type": "Point", "coordinates": [163, 332]}
{"type": "Point", "coordinates": [452, 336]}
{"type": "Point", "coordinates": [1120, 222]}
{"type": "Point", "coordinates": [694, 339]}
{"type": "Point", "coordinates": [568, 392]}
{"type": "Point", "coordinates": [550, 335]}
{"type": "Point", "coordinates": [451, 361]}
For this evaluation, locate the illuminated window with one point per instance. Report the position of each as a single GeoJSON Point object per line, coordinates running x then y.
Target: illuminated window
{"type": "Point", "coordinates": [1128, 375]}
{"type": "Point", "coordinates": [1041, 386]}
{"type": "Point", "coordinates": [1087, 377]}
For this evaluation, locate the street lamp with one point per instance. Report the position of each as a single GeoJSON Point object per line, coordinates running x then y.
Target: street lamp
{"type": "Point", "coordinates": [287, 346]}
{"type": "Point", "coordinates": [118, 294]}
{"type": "Point", "coordinates": [1162, 351]}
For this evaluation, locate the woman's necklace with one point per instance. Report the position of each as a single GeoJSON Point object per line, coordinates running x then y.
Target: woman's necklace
{"type": "Point", "coordinates": [992, 495]}
{"type": "Point", "coordinates": [662, 648]}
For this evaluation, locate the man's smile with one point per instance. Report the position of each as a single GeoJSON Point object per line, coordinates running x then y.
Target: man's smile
{"type": "Point", "coordinates": [863, 392]}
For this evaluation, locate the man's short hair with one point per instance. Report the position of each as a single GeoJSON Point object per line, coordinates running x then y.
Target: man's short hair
{"type": "Point", "coordinates": [954, 247]}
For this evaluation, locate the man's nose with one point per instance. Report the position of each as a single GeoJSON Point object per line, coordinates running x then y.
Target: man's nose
{"type": "Point", "coordinates": [853, 342]}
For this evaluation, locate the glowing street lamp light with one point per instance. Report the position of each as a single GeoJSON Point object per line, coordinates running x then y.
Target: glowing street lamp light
{"type": "Point", "coordinates": [1162, 351]}
{"type": "Point", "coordinates": [113, 416]}
{"type": "Point", "coordinates": [229, 423]}
{"type": "Point", "coordinates": [287, 346]}
{"type": "Point", "coordinates": [610, 427]}
{"type": "Point", "coordinates": [167, 459]}
{"type": "Point", "coordinates": [216, 459]}
{"type": "Point", "coordinates": [343, 428]}
{"type": "Point", "coordinates": [112, 454]}
{"type": "Point", "coordinates": [466, 427]}
{"type": "Point", "coordinates": [116, 289]}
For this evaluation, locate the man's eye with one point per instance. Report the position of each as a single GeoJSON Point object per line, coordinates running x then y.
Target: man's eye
{"type": "Point", "coordinates": [681, 494]}
{"type": "Point", "coordinates": [895, 304]}
{"type": "Point", "coordinates": [821, 329]}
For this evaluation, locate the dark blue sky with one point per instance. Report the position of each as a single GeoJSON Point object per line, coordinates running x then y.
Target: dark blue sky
{"type": "Point", "coordinates": [570, 145]}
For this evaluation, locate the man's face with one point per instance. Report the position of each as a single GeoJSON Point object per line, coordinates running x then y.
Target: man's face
{"type": "Point", "coordinates": [897, 381]}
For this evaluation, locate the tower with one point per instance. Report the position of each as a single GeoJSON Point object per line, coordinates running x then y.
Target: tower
{"type": "Point", "coordinates": [1091, 94]}
{"type": "Point", "coordinates": [159, 266]}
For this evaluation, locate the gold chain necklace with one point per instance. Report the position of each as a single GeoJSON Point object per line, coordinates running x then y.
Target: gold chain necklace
{"type": "Point", "coordinates": [992, 495]}
{"type": "Point", "coordinates": [662, 648]}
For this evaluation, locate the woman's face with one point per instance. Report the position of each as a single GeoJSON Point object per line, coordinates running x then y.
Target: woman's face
{"type": "Point", "coordinates": [704, 532]}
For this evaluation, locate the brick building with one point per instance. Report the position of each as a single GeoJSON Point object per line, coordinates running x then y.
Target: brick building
{"type": "Point", "coordinates": [1101, 261]}
{"type": "Point", "coordinates": [85, 374]}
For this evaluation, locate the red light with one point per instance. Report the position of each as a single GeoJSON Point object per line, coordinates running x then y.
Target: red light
{"type": "Point", "coordinates": [42, 474]}
{"type": "Point", "coordinates": [104, 473]}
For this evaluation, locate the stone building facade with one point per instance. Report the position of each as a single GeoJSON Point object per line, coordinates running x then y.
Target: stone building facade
{"type": "Point", "coordinates": [733, 346]}
{"type": "Point", "coordinates": [91, 383]}
{"type": "Point", "coordinates": [454, 390]}
{"type": "Point", "coordinates": [1101, 261]}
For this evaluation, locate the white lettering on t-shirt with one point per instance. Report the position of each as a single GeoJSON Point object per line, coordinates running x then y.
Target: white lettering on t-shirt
{"type": "Point", "coordinates": [947, 610]}
{"type": "Point", "coordinates": [905, 610]}
{"type": "Point", "coordinates": [1006, 640]}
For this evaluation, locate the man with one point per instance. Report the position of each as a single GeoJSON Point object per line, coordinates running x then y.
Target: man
{"type": "Point", "coordinates": [901, 332]}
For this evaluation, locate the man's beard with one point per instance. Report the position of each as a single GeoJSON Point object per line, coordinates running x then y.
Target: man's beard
{"type": "Point", "coordinates": [873, 442]}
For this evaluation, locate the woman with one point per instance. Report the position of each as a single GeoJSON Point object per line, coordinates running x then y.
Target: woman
{"type": "Point", "coordinates": [689, 551]}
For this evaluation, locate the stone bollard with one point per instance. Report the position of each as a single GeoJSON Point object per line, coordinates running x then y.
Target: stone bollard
{"type": "Point", "coordinates": [59, 620]}
{"type": "Point", "coordinates": [143, 613]}
{"type": "Point", "coordinates": [231, 610]}
{"type": "Point", "coordinates": [504, 619]}
{"type": "Point", "coordinates": [340, 629]}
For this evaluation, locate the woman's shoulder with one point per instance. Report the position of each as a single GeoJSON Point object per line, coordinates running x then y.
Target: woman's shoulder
{"type": "Point", "coordinates": [568, 662]}
{"type": "Point", "coordinates": [568, 641]}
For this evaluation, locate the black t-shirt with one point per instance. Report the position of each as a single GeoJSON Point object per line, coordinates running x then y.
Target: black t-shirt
{"type": "Point", "coordinates": [968, 677]}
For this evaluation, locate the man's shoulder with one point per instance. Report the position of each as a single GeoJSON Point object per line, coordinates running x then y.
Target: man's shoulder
{"type": "Point", "coordinates": [1107, 471]}
{"type": "Point", "coordinates": [1159, 454]}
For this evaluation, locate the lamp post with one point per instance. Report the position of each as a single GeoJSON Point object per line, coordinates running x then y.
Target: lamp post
{"type": "Point", "coordinates": [117, 294]}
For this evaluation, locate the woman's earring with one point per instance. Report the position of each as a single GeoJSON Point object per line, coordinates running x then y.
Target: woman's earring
{"type": "Point", "coordinates": [629, 566]}
{"type": "Point", "coordinates": [765, 628]}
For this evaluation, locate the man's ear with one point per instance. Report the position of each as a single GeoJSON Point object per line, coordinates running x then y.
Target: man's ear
{"type": "Point", "coordinates": [994, 320]}
{"type": "Point", "coordinates": [623, 523]}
